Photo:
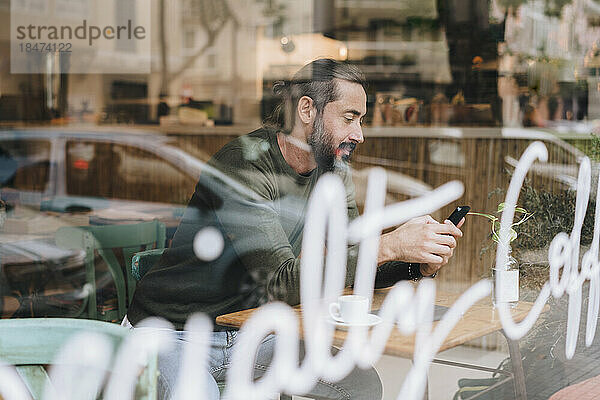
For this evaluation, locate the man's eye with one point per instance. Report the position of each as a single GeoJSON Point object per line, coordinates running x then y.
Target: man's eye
{"type": "Point", "coordinates": [349, 119]}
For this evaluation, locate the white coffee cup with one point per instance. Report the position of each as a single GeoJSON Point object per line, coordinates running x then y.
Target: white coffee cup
{"type": "Point", "coordinates": [350, 309]}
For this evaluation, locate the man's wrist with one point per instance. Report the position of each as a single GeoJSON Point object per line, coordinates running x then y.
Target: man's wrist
{"type": "Point", "coordinates": [425, 275]}
{"type": "Point", "coordinates": [415, 272]}
{"type": "Point", "coordinates": [383, 255]}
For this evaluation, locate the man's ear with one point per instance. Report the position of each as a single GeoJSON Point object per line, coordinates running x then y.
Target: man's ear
{"type": "Point", "coordinates": [306, 110]}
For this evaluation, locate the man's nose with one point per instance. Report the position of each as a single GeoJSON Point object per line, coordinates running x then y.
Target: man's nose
{"type": "Point", "coordinates": [357, 135]}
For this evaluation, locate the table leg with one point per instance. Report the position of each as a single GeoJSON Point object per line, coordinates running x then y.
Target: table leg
{"type": "Point", "coordinates": [517, 368]}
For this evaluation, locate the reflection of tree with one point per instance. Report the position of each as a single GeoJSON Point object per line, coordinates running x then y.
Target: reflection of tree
{"type": "Point", "coordinates": [274, 11]}
{"type": "Point", "coordinates": [513, 5]}
{"type": "Point", "coordinates": [210, 15]}
{"type": "Point", "coordinates": [552, 8]}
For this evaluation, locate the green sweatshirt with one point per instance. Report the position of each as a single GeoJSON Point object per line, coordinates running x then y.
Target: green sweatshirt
{"type": "Point", "coordinates": [258, 203]}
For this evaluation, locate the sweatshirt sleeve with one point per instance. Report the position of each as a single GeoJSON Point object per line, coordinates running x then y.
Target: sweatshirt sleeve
{"type": "Point", "coordinates": [251, 223]}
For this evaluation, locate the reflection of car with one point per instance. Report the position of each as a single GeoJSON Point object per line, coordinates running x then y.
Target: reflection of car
{"type": "Point", "coordinates": [115, 175]}
{"type": "Point", "coordinates": [438, 154]}
{"type": "Point", "coordinates": [51, 178]}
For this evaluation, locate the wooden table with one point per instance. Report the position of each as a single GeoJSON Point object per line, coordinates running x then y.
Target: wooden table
{"type": "Point", "coordinates": [481, 319]}
{"type": "Point", "coordinates": [478, 321]}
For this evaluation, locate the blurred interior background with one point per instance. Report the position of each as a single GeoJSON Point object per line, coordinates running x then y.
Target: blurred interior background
{"type": "Point", "coordinates": [457, 89]}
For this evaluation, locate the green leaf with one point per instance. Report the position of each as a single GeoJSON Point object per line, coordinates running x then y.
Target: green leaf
{"type": "Point", "coordinates": [496, 236]}
{"type": "Point", "coordinates": [513, 235]}
{"type": "Point", "coordinates": [488, 216]}
{"type": "Point", "coordinates": [495, 222]}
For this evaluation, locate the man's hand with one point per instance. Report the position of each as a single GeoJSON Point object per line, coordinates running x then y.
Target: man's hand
{"type": "Point", "coordinates": [421, 240]}
{"type": "Point", "coordinates": [430, 269]}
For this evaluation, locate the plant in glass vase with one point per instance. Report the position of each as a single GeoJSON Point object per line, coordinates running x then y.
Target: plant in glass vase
{"type": "Point", "coordinates": [507, 275]}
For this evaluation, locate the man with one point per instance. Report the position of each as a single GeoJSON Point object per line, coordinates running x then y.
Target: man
{"type": "Point", "coordinates": [257, 200]}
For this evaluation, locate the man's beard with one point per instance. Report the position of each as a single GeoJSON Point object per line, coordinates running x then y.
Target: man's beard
{"type": "Point", "coordinates": [324, 150]}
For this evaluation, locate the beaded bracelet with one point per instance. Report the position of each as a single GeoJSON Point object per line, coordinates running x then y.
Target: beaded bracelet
{"type": "Point", "coordinates": [414, 272]}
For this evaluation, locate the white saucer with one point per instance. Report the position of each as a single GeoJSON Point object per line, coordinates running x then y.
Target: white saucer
{"type": "Point", "coordinates": [372, 320]}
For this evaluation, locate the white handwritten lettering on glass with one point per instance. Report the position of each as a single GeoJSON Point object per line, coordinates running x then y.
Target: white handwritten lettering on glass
{"type": "Point", "coordinates": [404, 308]}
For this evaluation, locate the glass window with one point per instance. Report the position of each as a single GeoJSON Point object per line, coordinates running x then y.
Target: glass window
{"type": "Point", "coordinates": [118, 171]}
{"type": "Point", "coordinates": [25, 164]}
{"type": "Point", "coordinates": [221, 117]}
{"type": "Point", "coordinates": [142, 175]}
{"type": "Point", "coordinates": [89, 169]}
{"type": "Point", "coordinates": [123, 10]}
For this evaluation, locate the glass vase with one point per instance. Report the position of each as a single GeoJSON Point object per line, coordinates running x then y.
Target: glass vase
{"type": "Point", "coordinates": [506, 282]}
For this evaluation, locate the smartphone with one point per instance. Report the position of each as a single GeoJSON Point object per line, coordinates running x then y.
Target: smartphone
{"type": "Point", "coordinates": [458, 214]}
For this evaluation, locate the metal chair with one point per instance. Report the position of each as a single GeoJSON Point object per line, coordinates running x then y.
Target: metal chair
{"type": "Point", "coordinates": [131, 238]}
{"type": "Point", "coordinates": [142, 261]}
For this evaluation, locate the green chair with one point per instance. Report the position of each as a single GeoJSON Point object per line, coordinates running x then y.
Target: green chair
{"type": "Point", "coordinates": [131, 238]}
{"type": "Point", "coordinates": [32, 343]}
{"type": "Point", "coordinates": [143, 261]}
